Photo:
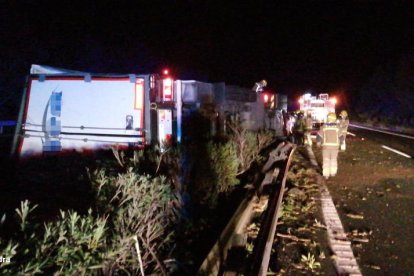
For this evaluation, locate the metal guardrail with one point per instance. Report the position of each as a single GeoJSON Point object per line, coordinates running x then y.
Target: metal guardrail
{"type": "Point", "coordinates": [264, 241]}
{"type": "Point", "coordinates": [215, 261]}
{"type": "Point", "coordinates": [234, 234]}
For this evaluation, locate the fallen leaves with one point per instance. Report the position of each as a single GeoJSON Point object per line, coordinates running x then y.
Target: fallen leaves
{"type": "Point", "coordinates": [293, 238]}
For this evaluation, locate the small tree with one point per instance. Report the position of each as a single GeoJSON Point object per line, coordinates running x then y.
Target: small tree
{"type": "Point", "coordinates": [248, 145]}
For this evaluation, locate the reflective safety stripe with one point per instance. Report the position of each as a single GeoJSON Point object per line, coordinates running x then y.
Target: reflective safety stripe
{"type": "Point", "coordinates": [330, 136]}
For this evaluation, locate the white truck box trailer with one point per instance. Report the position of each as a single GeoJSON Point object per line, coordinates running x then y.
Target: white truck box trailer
{"type": "Point", "coordinates": [74, 111]}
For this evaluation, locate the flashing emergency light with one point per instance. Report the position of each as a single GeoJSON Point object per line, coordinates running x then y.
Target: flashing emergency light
{"type": "Point", "coordinates": [272, 102]}
{"type": "Point", "coordinates": [165, 71]}
{"type": "Point", "coordinates": [300, 100]}
{"type": "Point", "coordinates": [333, 100]}
{"type": "Point", "coordinates": [268, 100]}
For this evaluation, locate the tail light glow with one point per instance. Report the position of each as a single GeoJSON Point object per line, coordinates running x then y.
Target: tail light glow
{"type": "Point", "coordinates": [167, 90]}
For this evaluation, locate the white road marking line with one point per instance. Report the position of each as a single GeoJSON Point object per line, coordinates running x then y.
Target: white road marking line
{"type": "Point", "coordinates": [396, 151]}
{"type": "Point", "coordinates": [350, 133]}
{"type": "Point", "coordinates": [383, 131]}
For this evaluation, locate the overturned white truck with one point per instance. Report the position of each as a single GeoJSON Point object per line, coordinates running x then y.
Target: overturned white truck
{"type": "Point", "coordinates": [64, 110]}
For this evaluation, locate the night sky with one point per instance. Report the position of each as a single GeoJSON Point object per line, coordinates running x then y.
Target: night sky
{"type": "Point", "coordinates": [296, 45]}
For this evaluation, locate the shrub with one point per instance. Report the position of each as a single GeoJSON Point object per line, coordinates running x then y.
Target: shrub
{"type": "Point", "coordinates": [224, 164]}
{"type": "Point", "coordinates": [72, 244]}
{"type": "Point", "coordinates": [249, 144]}
{"type": "Point", "coordinates": [129, 231]}
{"type": "Point", "coordinates": [146, 209]}
{"type": "Point", "coordinates": [214, 167]}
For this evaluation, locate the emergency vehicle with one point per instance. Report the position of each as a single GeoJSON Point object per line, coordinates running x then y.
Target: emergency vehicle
{"type": "Point", "coordinates": [318, 106]}
{"type": "Point", "coordinates": [64, 110]}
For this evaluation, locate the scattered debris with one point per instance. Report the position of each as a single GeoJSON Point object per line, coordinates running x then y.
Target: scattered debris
{"type": "Point", "coordinates": [293, 238]}
{"type": "Point", "coordinates": [253, 230]}
{"type": "Point", "coordinates": [374, 267]}
{"type": "Point", "coordinates": [354, 216]}
{"type": "Point", "coordinates": [360, 240]}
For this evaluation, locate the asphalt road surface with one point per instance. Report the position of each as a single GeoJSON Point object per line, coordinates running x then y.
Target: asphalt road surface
{"type": "Point", "coordinates": [373, 192]}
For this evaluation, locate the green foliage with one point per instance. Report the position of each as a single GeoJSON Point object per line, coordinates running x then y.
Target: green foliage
{"type": "Point", "coordinates": [130, 229]}
{"type": "Point", "coordinates": [138, 206]}
{"type": "Point", "coordinates": [249, 144]}
{"type": "Point", "coordinates": [146, 208]}
{"type": "Point", "coordinates": [216, 166]}
{"type": "Point", "coordinates": [309, 262]}
{"type": "Point", "coordinates": [298, 252]}
{"type": "Point", "coordinates": [151, 160]}
{"type": "Point", "coordinates": [224, 165]}
{"type": "Point", "coordinates": [72, 244]}
{"type": "Point", "coordinates": [213, 172]}
{"type": "Point", "coordinates": [23, 212]}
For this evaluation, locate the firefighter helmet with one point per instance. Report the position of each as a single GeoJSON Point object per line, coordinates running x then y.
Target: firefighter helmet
{"type": "Point", "coordinates": [344, 114]}
{"type": "Point", "coordinates": [331, 117]}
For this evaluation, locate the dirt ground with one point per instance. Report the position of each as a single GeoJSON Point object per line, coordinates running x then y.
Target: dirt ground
{"type": "Point", "coordinates": [373, 192]}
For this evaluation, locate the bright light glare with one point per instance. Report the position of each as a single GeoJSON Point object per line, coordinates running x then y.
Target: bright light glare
{"type": "Point", "coordinates": [168, 81]}
{"type": "Point", "coordinates": [167, 90]}
{"type": "Point", "coordinates": [333, 100]}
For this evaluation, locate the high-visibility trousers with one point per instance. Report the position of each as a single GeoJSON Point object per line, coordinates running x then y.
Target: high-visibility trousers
{"type": "Point", "coordinates": [342, 143]}
{"type": "Point", "coordinates": [329, 161]}
{"type": "Point", "coordinates": [308, 138]}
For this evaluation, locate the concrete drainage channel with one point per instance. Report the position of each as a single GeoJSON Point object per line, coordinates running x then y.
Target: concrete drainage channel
{"type": "Point", "coordinates": [345, 262]}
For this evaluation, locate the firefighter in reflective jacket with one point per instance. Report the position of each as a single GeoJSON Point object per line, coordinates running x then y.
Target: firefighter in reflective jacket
{"type": "Point", "coordinates": [308, 129]}
{"type": "Point", "coordinates": [329, 137]}
{"type": "Point", "coordinates": [343, 129]}
{"type": "Point", "coordinates": [299, 129]}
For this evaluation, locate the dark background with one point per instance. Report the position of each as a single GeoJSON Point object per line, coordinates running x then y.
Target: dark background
{"type": "Point", "coordinates": [361, 51]}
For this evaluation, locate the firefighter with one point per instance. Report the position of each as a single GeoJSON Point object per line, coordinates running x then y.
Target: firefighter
{"type": "Point", "coordinates": [299, 129]}
{"type": "Point", "coordinates": [329, 137]}
{"type": "Point", "coordinates": [308, 128]}
{"type": "Point", "coordinates": [343, 129]}
{"type": "Point", "coordinates": [289, 127]}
